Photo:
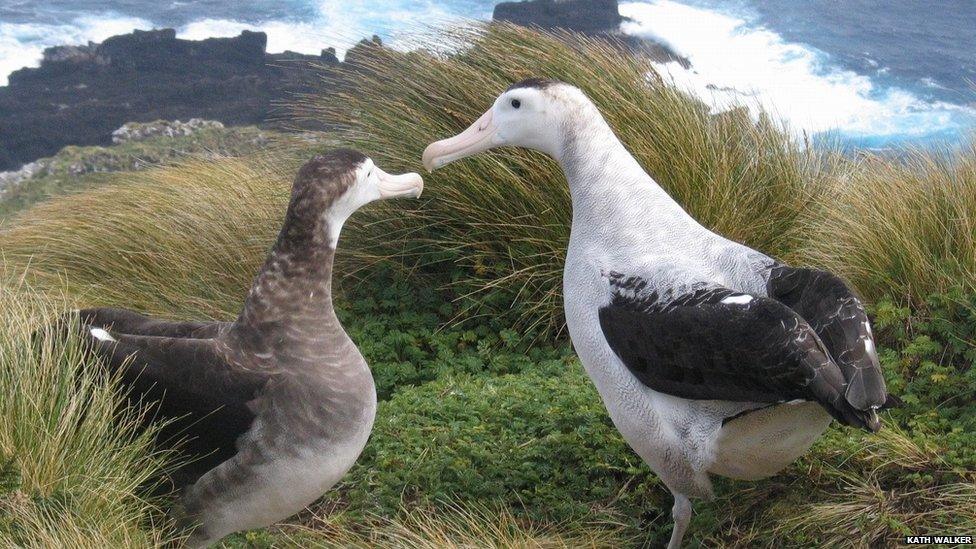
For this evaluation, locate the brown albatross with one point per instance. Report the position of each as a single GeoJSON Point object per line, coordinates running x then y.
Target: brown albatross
{"type": "Point", "coordinates": [283, 381]}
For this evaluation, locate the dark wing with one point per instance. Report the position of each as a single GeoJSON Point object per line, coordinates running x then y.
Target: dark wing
{"type": "Point", "coordinates": [195, 367]}
{"type": "Point", "coordinates": [714, 343]}
{"type": "Point", "coordinates": [207, 399]}
{"type": "Point", "coordinates": [835, 313]}
{"type": "Point", "coordinates": [129, 322]}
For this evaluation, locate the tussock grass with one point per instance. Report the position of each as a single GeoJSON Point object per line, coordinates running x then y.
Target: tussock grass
{"type": "Point", "coordinates": [185, 240]}
{"type": "Point", "coordinates": [504, 217]}
{"type": "Point", "coordinates": [75, 463]}
{"type": "Point", "coordinates": [898, 484]}
{"type": "Point", "coordinates": [459, 526]}
{"type": "Point", "coordinates": [904, 228]}
{"type": "Point", "coordinates": [852, 490]}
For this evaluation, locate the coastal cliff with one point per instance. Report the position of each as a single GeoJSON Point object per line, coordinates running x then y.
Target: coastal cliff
{"type": "Point", "coordinates": [80, 94]}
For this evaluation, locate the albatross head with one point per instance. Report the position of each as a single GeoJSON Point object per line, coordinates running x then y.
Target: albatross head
{"type": "Point", "coordinates": [336, 184]}
{"type": "Point", "coordinates": [532, 113]}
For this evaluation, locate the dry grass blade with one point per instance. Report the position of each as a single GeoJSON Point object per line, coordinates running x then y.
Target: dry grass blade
{"type": "Point", "coordinates": [904, 228]}
{"type": "Point", "coordinates": [80, 463]}
{"type": "Point", "coordinates": [460, 526]}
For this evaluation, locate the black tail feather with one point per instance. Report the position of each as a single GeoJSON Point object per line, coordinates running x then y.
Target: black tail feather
{"type": "Point", "coordinates": [849, 415]}
{"type": "Point", "coordinates": [892, 401]}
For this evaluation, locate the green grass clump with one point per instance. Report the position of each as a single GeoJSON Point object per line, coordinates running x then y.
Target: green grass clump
{"type": "Point", "coordinates": [73, 462]}
{"type": "Point", "coordinates": [504, 217]}
{"type": "Point", "coordinates": [904, 228]}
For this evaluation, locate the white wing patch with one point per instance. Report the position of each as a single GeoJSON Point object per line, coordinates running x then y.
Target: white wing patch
{"type": "Point", "coordinates": [737, 299]}
{"type": "Point", "coordinates": [101, 335]}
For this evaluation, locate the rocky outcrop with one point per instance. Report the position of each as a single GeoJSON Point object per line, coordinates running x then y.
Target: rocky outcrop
{"type": "Point", "coordinates": [27, 171]}
{"type": "Point", "coordinates": [139, 131]}
{"type": "Point", "coordinates": [140, 146]}
{"type": "Point", "coordinates": [585, 16]}
{"type": "Point", "coordinates": [589, 17]}
{"type": "Point", "coordinates": [80, 94]}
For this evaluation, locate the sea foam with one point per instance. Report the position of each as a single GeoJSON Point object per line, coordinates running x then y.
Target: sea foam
{"type": "Point", "coordinates": [335, 24]}
{"type": "Point", "coordinates": [22, 44]}
{"type": "Point", "coordinates": [338, 24]}
{"type": "Point", "coordinates": [736, 62]}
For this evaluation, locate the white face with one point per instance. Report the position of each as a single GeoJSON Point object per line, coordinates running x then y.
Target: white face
{"type": "Point", "coordinates": [371, 184]}
{"type": "Point", "coordinates": [523, 117]}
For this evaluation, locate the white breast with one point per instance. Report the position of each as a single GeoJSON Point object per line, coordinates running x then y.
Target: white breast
{"type": "Point", "coordinates": [682, 440]}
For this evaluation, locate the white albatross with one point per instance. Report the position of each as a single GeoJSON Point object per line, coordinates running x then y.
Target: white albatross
{"type": "Point", "coordinates": [710, 357]}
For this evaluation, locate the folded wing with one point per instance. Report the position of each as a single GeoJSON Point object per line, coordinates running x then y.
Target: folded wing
{"type": "Point", "coordinates": [206, 393]}
{"type": "Point", "coordinates": [715, 343]}
{"type": "Point", "coordinates": [839, 319]}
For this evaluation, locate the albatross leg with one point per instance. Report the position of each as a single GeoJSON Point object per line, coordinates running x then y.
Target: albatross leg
{"type": "Point", "coordinates": [681, 512]}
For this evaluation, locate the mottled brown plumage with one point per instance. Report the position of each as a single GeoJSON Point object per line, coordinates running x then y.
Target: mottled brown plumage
{"type": "Point", "coordinates": [284, 379]}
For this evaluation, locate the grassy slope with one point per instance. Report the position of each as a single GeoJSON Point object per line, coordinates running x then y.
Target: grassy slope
{"type": "Point", "coordinates": [74, 465]}
{"type": "Point", "coordinates": [75, 169]}
{"type": "Point", "coordinates": [471, 414]}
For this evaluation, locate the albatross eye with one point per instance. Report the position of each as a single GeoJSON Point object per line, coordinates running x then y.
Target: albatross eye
{"type": "Point", "coordinates": [516, 103]}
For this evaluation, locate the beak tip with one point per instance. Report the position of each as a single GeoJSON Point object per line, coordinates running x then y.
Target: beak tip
{"type": "Point", "coordinates": [428, 160]}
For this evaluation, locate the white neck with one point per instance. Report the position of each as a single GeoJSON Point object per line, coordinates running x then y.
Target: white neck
{"type": "Point", "coordinates": [614, 199]}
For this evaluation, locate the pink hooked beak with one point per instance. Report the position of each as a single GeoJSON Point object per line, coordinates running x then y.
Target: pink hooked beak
{"type": "Point", "coordinates": [480, 136]}
{"type": "Point", "coordinates": [394, 186]}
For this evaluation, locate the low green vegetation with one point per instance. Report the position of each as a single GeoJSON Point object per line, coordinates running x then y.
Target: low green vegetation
{"type": "Point", "coordinates": [930, 361]}
{"type": "Point", "coordinates": [488, 431]}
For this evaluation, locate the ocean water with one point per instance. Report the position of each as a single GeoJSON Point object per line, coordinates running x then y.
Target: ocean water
{"type": "Point", "coordinates": [866, 73]}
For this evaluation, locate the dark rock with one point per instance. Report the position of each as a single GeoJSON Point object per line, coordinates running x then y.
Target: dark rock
{"type": "Point", "coordinates": [589, 17]}
{"type": "Point", "coordinates": [585, 16]}
{"type": "Point", "coordinates": [81, 94]}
